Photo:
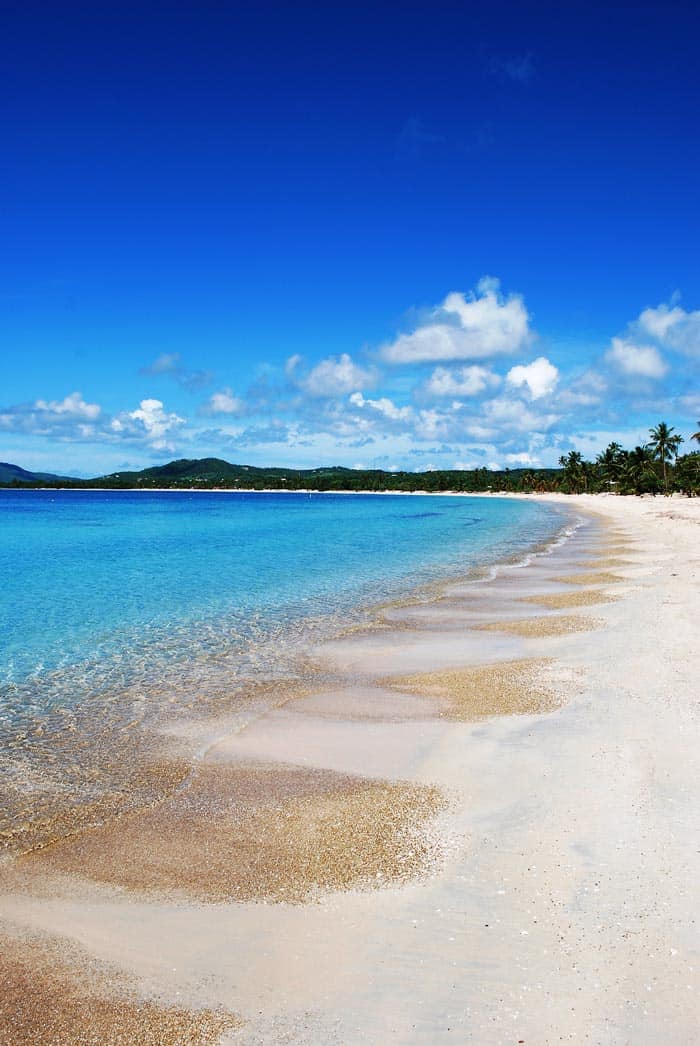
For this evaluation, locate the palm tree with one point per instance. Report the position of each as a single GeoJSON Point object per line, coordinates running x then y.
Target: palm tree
{"type": "Point", "coordinates": [696, 435]}
{"type": "Point", "coordinates": [637, 471]}
{"type": "Point", "coordinates": [575, 471]}
{"type": "Point", "coordinates": [664, 446]}
{"type": "Point", "coordinates": [686, 475]}
{"type": "Point", "coordinates": [610, 463]}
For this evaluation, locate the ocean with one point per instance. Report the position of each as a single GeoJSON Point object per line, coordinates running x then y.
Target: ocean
{"type": "Point", "coordinates": [108, 590]}
{"type": "Point", "coordinates": [126, 617]}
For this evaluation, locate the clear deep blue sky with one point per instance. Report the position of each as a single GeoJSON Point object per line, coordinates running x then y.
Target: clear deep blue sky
{"type": "Point", "coordinates": [193, 193]}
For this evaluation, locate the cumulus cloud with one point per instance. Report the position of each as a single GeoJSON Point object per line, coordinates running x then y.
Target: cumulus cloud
{"type": "Point", "coordinates": [384, 406]}
{"type": "Point", "coordinates": [462, 381]}
{"type": "Point", "coordinates": [636, 360]}
{"type": "Point", "coordinates": [436, 424]}
{"type": "Point", "coordinates": [383, 415]}
{"type": "Point", "coordinates": [73, 406]}
{"type": "Point", "coordinates": [504, 414]}
{"type": "Point", "coordinates": [642, 351]}
{"type": "Point", "coordinates": [673, 328]}
{"type": "Point", "coordinates": [334, 376]}
{"type": "Point", "coordinates": [224, 402]}
{"type": "Point", "coordinates": [445, 397]}
{"type": "Point", "coordinates": [150, 422]}
{"type": "Point", "coordinates": [72, 420]}
{"type": "Point", "coordinates": [659, 321]}
{"type": "Point", "coordinates": [66, 419]}
{"type": "Point", "coordinates": [540, 377]}
{"type": "Point", "coordinates": [475, 326]}
{"type": "Point", "coordinates": [587, 390]}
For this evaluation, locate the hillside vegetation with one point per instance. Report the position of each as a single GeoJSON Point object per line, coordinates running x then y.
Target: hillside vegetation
{"type": "Point", "coordinates": [656, 467]}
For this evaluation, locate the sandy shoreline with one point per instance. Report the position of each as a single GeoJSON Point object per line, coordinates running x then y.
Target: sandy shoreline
{"type": "Point", "coordinates": [512, 768]}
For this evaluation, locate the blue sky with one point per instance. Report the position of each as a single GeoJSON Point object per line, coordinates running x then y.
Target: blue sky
{"type": "Point", "coordinates": [388, 235]}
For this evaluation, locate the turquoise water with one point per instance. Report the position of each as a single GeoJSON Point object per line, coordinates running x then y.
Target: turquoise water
{"type": "Point", "coordinates": [111, 591]}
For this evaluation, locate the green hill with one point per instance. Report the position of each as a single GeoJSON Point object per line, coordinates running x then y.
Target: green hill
{"type": "Point", "coordinates": [10, 474]}
{"type": "Point", "coordinates": [215, 473]}
{"type": "Point", "coordinates": [210, 473]}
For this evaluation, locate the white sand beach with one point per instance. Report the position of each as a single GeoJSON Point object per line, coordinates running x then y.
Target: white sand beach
{"type": "Point", "coordinates": [485, 831]}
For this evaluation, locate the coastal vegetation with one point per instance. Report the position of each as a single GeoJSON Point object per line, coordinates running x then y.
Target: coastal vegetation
{"type": "Point", "coordinates": [656, 467]}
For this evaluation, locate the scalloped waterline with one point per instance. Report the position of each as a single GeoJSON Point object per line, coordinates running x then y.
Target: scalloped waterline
{"type": "Point", "coordinates": [133, 710]}
{"type": "Point", "coordinates": [133, 649]}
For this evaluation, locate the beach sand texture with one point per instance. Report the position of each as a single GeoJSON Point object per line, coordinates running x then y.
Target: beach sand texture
{"type": "Point", "coordinates": [484, 831]}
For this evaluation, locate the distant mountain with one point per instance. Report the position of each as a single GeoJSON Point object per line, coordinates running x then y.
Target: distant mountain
{"type": "Point", "coordinates": [215, 473]}
{"type": "Point", "coordinates": [14, 474]}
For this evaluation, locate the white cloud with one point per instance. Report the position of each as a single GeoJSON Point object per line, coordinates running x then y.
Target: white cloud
{"type": "Point", "coordinates": [463, 381]}
{"type": "Point", "coordinates": [73, 420]}
{"type": "Point", "coordinates": [540, 377]}
{"type": "Point", "coordinates": [478, 326]}
{"type": "Point", "coordinates": [673, 328]}
{"type": "Point", "coordinates": [636, 360]}
{"type": "Point", "coordinates": [521, 459]}
{"type": "Point", "coordinates": [335, 376]}
{"type": "Point", "coordinates": [585, 391]}
{"type": "Point", "coordinates": [506, 414]}
{"type": "Point", "coordinates": [384, 406]}
{"type": "Point", "coordinates": [421, 425]}
{"type": "Point", "coordinates": [152, 421]}
{"type": "Point", "coordinates": [73, 406]}
{"type": "Point", "coordinates": [224, 402]}
{"type": "Point", "coordinates": [480, 432]}
{"type": "Point", "coordinates": [659, 321]}
{"type": "Point", "coordinates": [431, 424]}
{"type": "Point", "coordinates": [452, 407]}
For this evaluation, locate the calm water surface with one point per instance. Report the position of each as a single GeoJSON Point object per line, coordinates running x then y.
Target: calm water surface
{"type": "Point", "coordinates": [103, 591]}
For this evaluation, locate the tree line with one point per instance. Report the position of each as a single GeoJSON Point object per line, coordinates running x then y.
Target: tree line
{"type": "Point", "coordinates": [657, 467]}
{"type": "Point", "coordinates": [652, 468]}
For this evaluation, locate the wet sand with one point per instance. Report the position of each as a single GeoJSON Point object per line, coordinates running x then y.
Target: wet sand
{"type": "Point", "coordinates": [260, 832]}
{"type": "Point", "coordinates": [511, 688]}
{"type": "Point", "coordinates": [53, 994]}
{"type": "Point", "coordinates": [531, 627]}
{"type": "Point", "coordinates": [483, 830]}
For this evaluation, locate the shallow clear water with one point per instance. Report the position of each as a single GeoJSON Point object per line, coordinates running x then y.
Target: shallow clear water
{"type": "Point", "coordinates": [111, 590]}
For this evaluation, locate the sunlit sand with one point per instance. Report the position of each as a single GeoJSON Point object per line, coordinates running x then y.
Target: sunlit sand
{"type": "Point", "coordinates": [471, 825]}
